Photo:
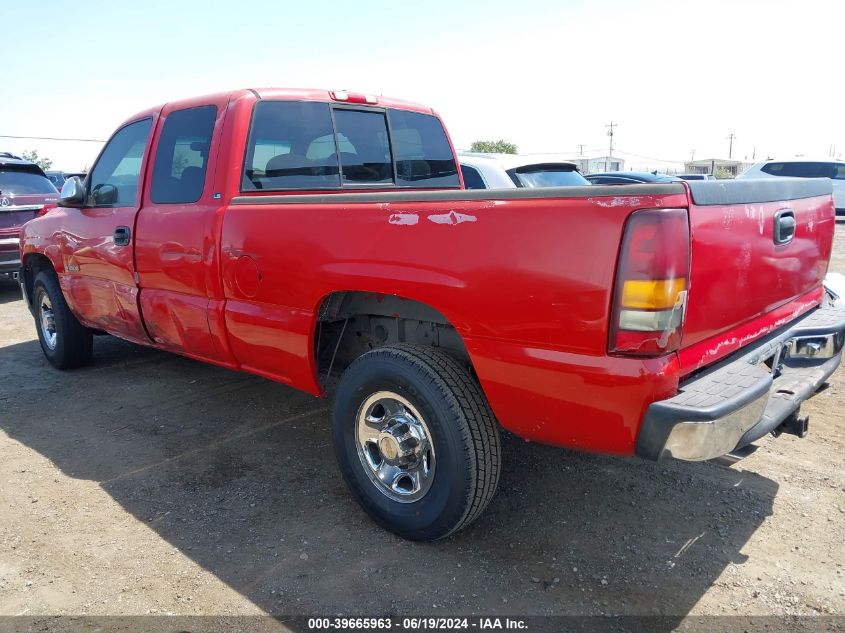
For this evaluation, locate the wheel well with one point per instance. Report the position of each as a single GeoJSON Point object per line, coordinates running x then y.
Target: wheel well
{"type": "Point", "coordinates": [33, 264]}
{"type": "Point", "coordinates": [351, 323]}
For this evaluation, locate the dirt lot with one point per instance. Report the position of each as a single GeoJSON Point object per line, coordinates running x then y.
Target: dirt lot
{"type": "Point", "coordinates": [148, 484]}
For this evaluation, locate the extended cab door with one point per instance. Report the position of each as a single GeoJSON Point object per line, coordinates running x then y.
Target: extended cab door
{"type": "Point", "coordinates": [178, 229]}
{"type": "Point", "coordinates": [97, 238]}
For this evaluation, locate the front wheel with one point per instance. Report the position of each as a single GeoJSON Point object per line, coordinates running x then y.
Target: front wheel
{"type": "Point", "coordinates": [64, 340]}
{"type": "Point", "coordinates": [416, 440]}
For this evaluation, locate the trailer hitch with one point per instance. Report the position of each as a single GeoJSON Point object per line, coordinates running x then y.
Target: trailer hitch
{"type": "Point", "coordinates": [796, 424]}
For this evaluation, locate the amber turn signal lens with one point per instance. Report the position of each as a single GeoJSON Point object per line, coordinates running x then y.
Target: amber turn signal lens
{"type": "Point", "coordinates": [659, 294]}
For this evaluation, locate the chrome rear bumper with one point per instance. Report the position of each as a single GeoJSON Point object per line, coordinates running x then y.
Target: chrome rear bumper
{"type": "Point", "coordinates": [749, 394]}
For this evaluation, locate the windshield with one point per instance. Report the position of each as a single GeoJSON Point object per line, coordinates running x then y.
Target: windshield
{"type": "Point", "coordinates": [24, 182]}
{"type": "Point", "coordinates": [547, 176]}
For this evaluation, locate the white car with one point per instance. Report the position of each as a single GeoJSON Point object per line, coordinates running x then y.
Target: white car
{"type": "Point", "coordinates": [834, 283]}
{"type": "Point", "coordinates": [696, 176]}
{"type": "Point", "coordinates": [507, 171]}
{"type": "Point", "coordinates": [804, 168]}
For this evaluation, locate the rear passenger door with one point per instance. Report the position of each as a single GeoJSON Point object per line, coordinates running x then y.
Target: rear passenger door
{"type": "Point", "coordinates": [176, 231]}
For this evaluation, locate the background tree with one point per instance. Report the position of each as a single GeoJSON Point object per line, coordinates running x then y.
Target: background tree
{"type": "Point", "coordinates": [723, 174]}
{"type": "Point", "coordinates": [499, 147]}
{"type": "Point", "coordinates": [32, 156]}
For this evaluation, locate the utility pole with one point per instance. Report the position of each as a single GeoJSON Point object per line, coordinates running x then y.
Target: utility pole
{"type": "Point", "coordinates": [731, 138]}
{"type": "Point", "coordinates": [692, 156]}
{"type": "Point", "coordinates": [610, 125]}
{"type": "Point", "coordinates": [580, 149]}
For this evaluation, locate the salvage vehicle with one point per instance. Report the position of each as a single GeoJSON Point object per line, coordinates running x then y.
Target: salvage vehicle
{"type": "Point", "coordinates": [324, 240]}
{"type": "Point", "coordinates": [25, 192]}
{"type": "Point", "coordinates": [502, 171]}
{"type": "Point", "coordinates": [696, 176]}
{"type": "Point", "coordinates": [629, 178]}
{"type": "Point", "coordinates": [804, 168]}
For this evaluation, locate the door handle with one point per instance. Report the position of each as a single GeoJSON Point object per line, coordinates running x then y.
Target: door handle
{"type": "Point", "coordinates": [122, 234]}
{"type": "Point", "coordinates": [784, 226]}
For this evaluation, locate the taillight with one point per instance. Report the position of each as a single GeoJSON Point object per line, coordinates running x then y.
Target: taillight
{"type": "Point", "coordinates": [48, 206]}
{"type": "Point", "coordinates": [652, 279]}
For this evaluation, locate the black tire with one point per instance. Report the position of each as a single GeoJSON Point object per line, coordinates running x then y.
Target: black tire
{"type": "Point", "coordinates": [464, 432]}
{"type": "Point", "coordinates": [74, 342]}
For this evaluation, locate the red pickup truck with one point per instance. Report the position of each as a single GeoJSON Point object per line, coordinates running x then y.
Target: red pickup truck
{"type": "Point", "coordinates": [324, 240]}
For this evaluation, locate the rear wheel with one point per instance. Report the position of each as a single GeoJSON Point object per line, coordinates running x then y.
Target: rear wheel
{"type": "Point", "coordinates": [416, 440]}
{"type": "Point", "coordinates": [64, 340]}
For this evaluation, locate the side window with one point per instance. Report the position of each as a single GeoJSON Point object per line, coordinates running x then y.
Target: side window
{"type": "Point", "coordinates": [472, 179]}
{"type": "Point", "coordinates": [775, 169]}
{"type": "Point", "coordinates": [114, 179]}
{"type": "Point", "coordinates": [423, 155]}
{"type": "Point", "coordinates": [369, 158]}
{"type": "Point", "coordinates": [182, 155]}
{"type": "Point", "coordinates": [282, 136]}
{"type": "Point", "coordinates": [805, 170]}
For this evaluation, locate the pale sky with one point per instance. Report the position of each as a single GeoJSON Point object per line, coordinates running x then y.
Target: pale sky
{"type": "Point", "coordinates": [676, 76]}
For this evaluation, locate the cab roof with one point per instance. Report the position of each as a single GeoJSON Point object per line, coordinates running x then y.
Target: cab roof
{"type": "Point", "coordinates": [294, 94]}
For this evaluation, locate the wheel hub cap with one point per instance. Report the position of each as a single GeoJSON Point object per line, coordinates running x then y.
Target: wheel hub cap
{"type": "Point", "coordinates": [395, 447]}
{"type": "Point", "coordinates": [47, 322]}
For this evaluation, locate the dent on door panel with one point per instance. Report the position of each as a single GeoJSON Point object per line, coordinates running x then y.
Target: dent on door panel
{"type": "Point", "coordinates": [179, 322]}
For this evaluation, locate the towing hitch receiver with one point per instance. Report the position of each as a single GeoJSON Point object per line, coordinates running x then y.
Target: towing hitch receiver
{"type": "Point", "coordinates": [796, 424]}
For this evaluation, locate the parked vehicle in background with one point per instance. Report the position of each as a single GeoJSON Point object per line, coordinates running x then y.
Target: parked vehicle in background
{"type": "Point", "coordinates": [57, 178]}
{"type": "Point", "coordinates": [804, 168]}
{"type": "Point", "coordinates": [324, 240]}
{"type": "Point", "coordinates": [628, 178]}
{"type": "Point", "coordinates": [505, 171]}
{"type": "Point", "coordinates": [696, 176]}
{"type": "Point", "coordinates": [834, 283]}
{"type": "Point", "coordinates": [25, 192]}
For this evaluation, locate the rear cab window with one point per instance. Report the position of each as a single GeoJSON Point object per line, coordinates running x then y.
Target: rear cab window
{"type": "Point", "coordinates": [300, 145]}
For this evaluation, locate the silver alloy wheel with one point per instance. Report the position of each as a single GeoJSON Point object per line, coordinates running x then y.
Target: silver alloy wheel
{"type": "Point", "coordinates": [395, 447]}
{"type": "Point", "coordinates": [48, 321]}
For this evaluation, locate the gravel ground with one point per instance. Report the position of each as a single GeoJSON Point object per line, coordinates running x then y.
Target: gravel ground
{"type": "Point", "coordinates": [151, 484]}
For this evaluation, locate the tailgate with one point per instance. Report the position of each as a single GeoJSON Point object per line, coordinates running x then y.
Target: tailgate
{"type": "Point", "coordinates": [750, 271]}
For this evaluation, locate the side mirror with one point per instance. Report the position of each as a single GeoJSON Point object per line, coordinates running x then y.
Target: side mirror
{"type": "Point", "coordinates": [104, 194]}
{"type": "Point", "coordinates": [73, 193]}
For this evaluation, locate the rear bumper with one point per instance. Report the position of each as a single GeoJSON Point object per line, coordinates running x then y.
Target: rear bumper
{"type": "Point", "coordinates": [747, 395]}
{"type": "Point", "coordinates": [10, 255]}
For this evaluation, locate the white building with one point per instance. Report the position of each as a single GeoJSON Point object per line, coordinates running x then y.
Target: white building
{"type": "Point", "coordinates": [598, 164]}
{"type": "Point", "coordinates": [710, 165]}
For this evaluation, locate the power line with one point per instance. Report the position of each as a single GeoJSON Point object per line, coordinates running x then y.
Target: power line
{"type": "Point", "coordinates": [54, 138]}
